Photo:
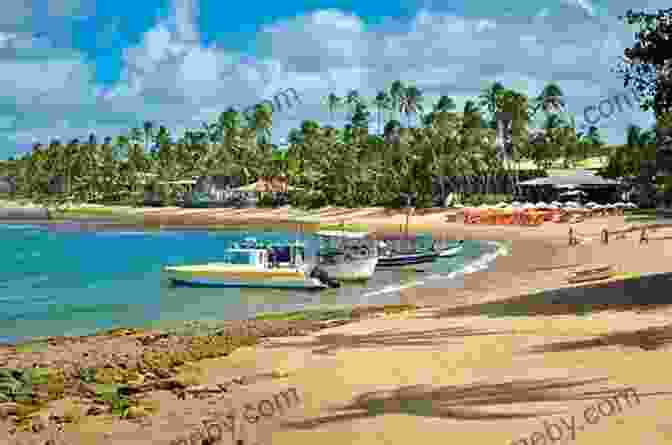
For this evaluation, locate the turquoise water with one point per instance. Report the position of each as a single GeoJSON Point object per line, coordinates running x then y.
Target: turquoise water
{"type": "Point", "coordinates": [60, 280]}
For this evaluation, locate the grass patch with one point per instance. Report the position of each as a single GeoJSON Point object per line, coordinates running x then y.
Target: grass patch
{"type": "Point", "coordinates": [640, 218]}
{"type": "Point", "coordinates": [32, 346]}
{"type": "Point", "coordinates": [345, 227]}
{"type": "Point", "coordinates": [629, 212]}
{"type": "Point", "coordinates": [88, 212]}
{"type": "Point", "coordinates": [308, 314]}
{"type": "Point", "coordinates": [628, 276]}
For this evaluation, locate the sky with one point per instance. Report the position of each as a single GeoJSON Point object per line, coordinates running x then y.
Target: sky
{"type": "Point", "coordinates": [72, 67]}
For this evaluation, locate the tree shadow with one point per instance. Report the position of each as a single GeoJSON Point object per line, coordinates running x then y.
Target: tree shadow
{"type": "Point", "coordinates": [326, 343]}
{"type": "Point", "coordinates": [466, 402]}
{"type": "Point", "coordinates": [565, 266]}
{"type": "Point", "coordinates": [648, 339]}
{"type": "Point", "coordinates": [639, 294]}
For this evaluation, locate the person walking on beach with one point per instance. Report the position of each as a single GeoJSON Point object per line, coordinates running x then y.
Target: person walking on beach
{"type": "Point", "coordinates": [643, 237]}
{"type": "Point", "coordinates": [271, 257]}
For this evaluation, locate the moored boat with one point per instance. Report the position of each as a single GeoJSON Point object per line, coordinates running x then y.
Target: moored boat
{"type": "Point", "coordinates": [251, 267]}
{"type": "Point", "coordinates": [405, 251]}
{"type": "Point", "coordinates": [347, 256]}
{"type": "Point", "coordinates": [407, 258]}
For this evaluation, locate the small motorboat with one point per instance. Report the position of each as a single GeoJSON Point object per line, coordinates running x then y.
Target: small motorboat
{"type": "Point", "coordinates": [251, 267]}
{"type": "Point", "coordinates": [407, 258]}
{"type": "Point", "coordinates": [406, 250]}
{"type": "Point", "coordinates": [347, 256]}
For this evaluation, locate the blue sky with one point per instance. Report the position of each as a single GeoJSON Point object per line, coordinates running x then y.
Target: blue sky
{"type": "Point", "coordinates": [71, 67]}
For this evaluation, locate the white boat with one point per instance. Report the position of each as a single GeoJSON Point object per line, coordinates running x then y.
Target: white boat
{"type": "Point", "coordinates": [250, 268]}
{"type": "Point", "coordinates": [347, 256]}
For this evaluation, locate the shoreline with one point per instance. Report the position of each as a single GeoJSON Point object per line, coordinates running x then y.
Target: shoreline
{"type": "Point", "coordinates": [509, 273]}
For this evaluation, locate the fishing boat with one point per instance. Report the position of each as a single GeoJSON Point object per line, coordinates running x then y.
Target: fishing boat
{"type": "Point", "coordinates": [393, 254]}
{"type": "Point", "coordinates": [252, 267]}
{"type": "Point", "coordinates": [347, 256]}
{"type": "Point", "coordinates": [407, 258]}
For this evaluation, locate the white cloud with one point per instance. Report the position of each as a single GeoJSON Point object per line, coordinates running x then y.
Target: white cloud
{"type": "Point", "coordinates": [171, 78]}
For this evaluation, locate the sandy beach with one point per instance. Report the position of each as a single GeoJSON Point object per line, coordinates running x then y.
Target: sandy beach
{"type": "Point", "coordinates": [494, 360]}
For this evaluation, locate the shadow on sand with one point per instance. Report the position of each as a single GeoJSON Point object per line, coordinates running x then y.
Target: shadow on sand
{"type": "Point", "coordinates": [643, 293]}
{"type": "Point", "coordinates": [467, 402]}
{"type": "Point", "coordinates": [648, 339]}
{"type": "Point", "coordinates": [326, 343]}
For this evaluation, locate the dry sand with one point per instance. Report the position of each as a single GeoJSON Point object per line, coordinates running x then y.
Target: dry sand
{"type": "Point", "coordinates": [479, 364]}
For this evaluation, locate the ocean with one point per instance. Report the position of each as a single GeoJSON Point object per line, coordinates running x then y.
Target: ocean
{"type": "Point", "coordinates": [57, 279]}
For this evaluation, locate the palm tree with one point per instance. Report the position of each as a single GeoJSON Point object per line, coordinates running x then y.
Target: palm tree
{"type": "Point", "coordinates": [397, 90]}
{"type": "Point", "coordinates": [550, 99]}
{"type": "Point", "coordinates": [263, 121]}
{"type": "Point", "coordinates": [148, 128]}
{"type": "Point", "coordinates": [411, 102]}
{"type": "Point", "coordinates": [333, 102]}
{"type": "Point", "coordinates": [351, 100]}
{"type": "Point", "coordinates": [445, 103]}
{"type": "Point", "coordinates": [489, 100]}
{"type": "Point", "coordinates": [382, 102]}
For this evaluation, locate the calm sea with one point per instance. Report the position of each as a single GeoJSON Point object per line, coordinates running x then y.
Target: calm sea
{"type": "Point", "coordinates": [58, 279]}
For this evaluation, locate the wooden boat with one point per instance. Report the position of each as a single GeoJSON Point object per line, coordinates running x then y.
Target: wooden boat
{"type": "Point", "coordinates": [407, 258]}
{"type": "Point", "coordinates": [393, 254]}
{"type": "Point", "coordinates": [251, 267]}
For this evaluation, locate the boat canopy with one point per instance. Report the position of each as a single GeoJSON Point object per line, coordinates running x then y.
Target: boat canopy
{"type": "Point", "coordinates": [241, 256]}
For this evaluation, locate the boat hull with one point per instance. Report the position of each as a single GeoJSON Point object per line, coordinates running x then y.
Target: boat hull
{"type": "Point", "coordinates": [450, 252]}
{"type": "Point", "coordinates": [361, 269]}
{"type": "Point", "coordinates": [406, 260]}
{"type": "Point", "coordinates": [213, 275]}
{"type": "Point", "coordinates": [204, 282]}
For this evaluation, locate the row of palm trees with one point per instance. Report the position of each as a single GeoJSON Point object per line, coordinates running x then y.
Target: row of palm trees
{"type": "Point", "coordinates": [346, 166]}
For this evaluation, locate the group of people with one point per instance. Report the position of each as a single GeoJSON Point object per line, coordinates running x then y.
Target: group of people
{"type": "Point", "coordinates": [274, 258]}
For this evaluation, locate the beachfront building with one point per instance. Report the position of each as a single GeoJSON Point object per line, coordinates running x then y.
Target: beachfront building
{"type": "Point", "coordinates": [212, 191]}
{"type": "Point", "coordinates": [580, 185]}
{"type": "Point", "coordinates": [274, 187]}
{"type": "Point", "coordinates": [444, 188]}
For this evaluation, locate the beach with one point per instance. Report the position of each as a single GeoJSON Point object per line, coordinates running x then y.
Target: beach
{"type": "Point", "coordinates": [488, 360]}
